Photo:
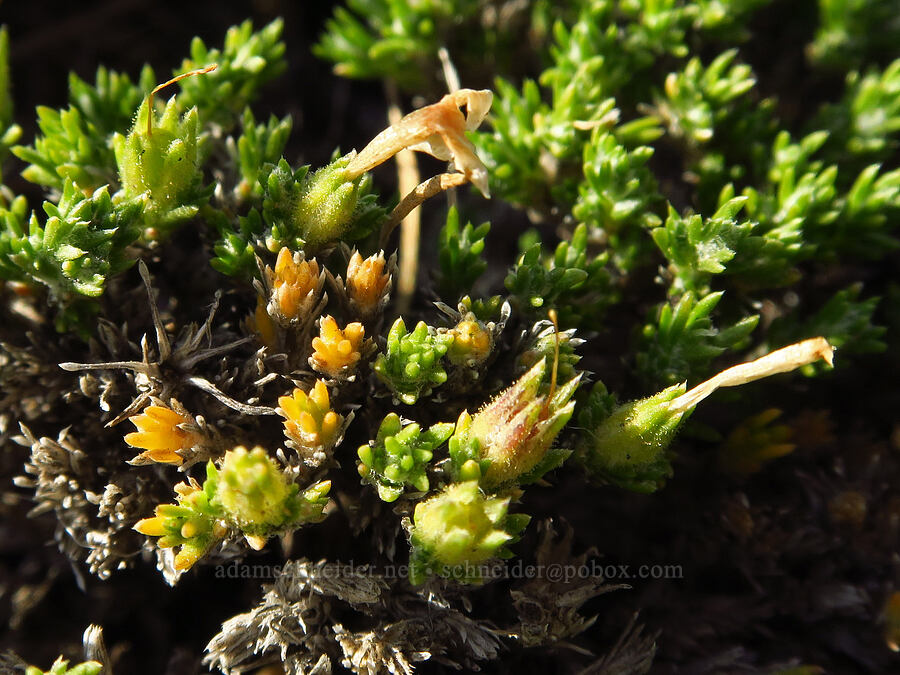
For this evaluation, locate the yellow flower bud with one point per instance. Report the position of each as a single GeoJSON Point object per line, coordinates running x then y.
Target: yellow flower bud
{"type": "Point", "coordinates": [152, 527]}
{"type": "Point", "coordinates": [471, 344]}
{"type": "Point", "coordinates": [754, 442]}
{"type": "Point", "coordinates": [186, 557]}
{"type": "Point", "coordinates": [336, 352]}
{"type": "Point", "coordinates": [891, 618]}
{"type": "Point", "coordinates": [161, 434]}
{"type": "Point", "coordinates": [262, 324]}
{"type": "Point", "coordinates": [311, 426]}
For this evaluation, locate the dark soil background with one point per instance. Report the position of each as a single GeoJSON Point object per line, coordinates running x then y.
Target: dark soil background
{"type": "Point", "coordinates": [771, 569]}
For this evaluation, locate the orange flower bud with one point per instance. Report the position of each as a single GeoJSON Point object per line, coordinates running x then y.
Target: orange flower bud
{"type": "Point", "coordinates": [368, 284]}
{"type": "Point", "coordinates": [296, 287]}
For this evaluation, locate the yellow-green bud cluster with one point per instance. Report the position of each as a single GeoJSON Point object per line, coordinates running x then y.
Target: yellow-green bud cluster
{"type": "Point", "coordinates": [255, 496]}
{"type": "Point", "coordinates": [249, 493]}
{"type": "Point", "coordinates": [458, 530]}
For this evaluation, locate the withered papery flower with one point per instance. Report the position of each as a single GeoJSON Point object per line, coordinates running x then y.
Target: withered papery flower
{"type": "Point", "coordinates": [782, 360]}
{"type": "Point", "coordinates": [438, 129]}
{"type": "Point", "coordinates": [629, 447]}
